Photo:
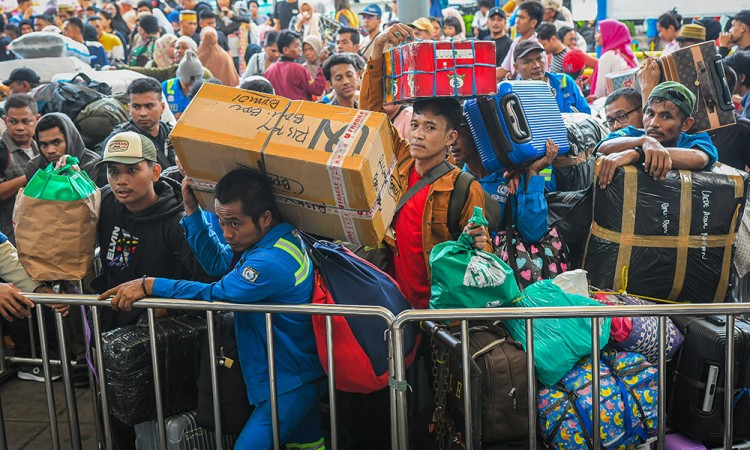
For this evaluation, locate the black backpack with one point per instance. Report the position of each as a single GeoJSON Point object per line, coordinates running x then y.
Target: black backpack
{"type": "Point", "coordinates": [71, 97]}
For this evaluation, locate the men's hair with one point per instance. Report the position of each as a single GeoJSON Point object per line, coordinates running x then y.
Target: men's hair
{"type": "Point", "coordinates": [253, 1]}
{"type": "Point", "coordinates": [445, 107]}
{"type": "Point", "coordinates": [535, 10]}
{"type": "Point", "coordinates": [545, 31]}
{"type": "Point", "coordinates": [94, 18]}
{"type": "Point", "coordinates": [631, 95]}
{"type": "Point", "coordinates": [253, 192]}
{"type": "Point", "coordinates": [452, 21]}
{"type": "Point", "coordinates": [45, 17]}
{"type": "Point", "coordinates": [205, 15]}
{"type": "Point", "coordinates": [93, 9]}
{"type": "Point", "coordinates": [353, 34]}
{"type": "Point", "coordinates": [740, 63]}
{"type": "Point", "coordinates": [258, 84]}
{"type": "Point", "coordinates": [335, 60]}
{"type": "Point", "coordinates": [486, 3]}
{"type": "Point", "coordinates": [76, 22]}
{"type": "Point", "coordinates": [48, 122]}
{"type": "Point", "coordinates": [562, 32]}
{"type": "Point", "coordinates": [21, 101]}
{"type": "Point", "coordinates": [271, 38]}
{"type": "Point", "coordinates": [12, 26]}
{"type": "Point", "coordinates": [89, 33]}
{"type": "Point", "coordinates": [107, 15]}
{"type": "Point", "coordinates": [2, 22]}
{"type": "Point", "coordinates": [198, 84]}
{"type": "Point", "coordinates": [286, 38]}
{"type": "Point", "coordinates": [145, 3]}
{"type": "Point", "coordinates": [149, 24]}
{"type": "Point", "coordinates": [144, 86]}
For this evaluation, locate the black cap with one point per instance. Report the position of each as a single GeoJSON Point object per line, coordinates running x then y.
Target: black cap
{"type": "Point", "coordinates": [22, 74]}
{"type": "Point", "coordinates": [743, 16]}
{"type": "Point", "coordinates": [496, 12]}
{"type": "Point", "coordinates": [524, 47]}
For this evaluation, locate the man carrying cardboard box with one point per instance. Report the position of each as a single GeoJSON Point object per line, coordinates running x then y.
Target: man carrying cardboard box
{"type": "Point", "coordinates": [422, 222]}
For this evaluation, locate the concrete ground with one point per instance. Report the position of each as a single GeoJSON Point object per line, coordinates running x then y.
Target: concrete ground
{"type": "Point", "coordinates": [27, 425]}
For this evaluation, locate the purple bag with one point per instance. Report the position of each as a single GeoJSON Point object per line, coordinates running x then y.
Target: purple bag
{"type": "Point", "coordinates": [680, 442]}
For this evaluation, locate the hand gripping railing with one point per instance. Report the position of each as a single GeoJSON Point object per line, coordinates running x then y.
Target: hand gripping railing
{"type": "Point", "coordinates": [400, 426]}
{"type": "Point", "coordinates": [194, 305]}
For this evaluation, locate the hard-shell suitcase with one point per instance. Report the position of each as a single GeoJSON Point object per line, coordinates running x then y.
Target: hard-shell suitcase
{"type": "Point", "coordinates": [512, 127]}
{"type": "Point", "coordinates": [701, 69]}
{"type": "Point", "coordinates": [679, 441]}
{"type": "Point", "coordinates": [182, 434]}
{"type": "Point", "coordinates": [695, 379]}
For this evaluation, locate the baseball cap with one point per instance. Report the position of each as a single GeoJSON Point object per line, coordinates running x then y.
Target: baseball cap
{"type": "Point", "coordinates": [423, 23]}
{"type": "Point", "coordinates": [524, 47]}
{"type": "Point", "coordinates": [552, 4]}
{"type": "Point", "coordinates": [496, 12]}
{"type": "Point", "coordinates": [573, 61]}
{"type": "Point", "coordinates": [676, 93]}
{"type": "Point", "coordinates": [372, 10]}
{"type": "Point", "coordinates": [692, 32]}
{"type": "Point", "coordinates": [743, 16]}
{"type": "Point", "coordinates": [22, 74]}
{"type": "Point", "coordinates": [128, 147]}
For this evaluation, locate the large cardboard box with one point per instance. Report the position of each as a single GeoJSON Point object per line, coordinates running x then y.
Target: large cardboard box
{"type": "Point", "coordinates": [332, 168]}
{"type": "Point", "coordinates": [623, 79]}
{"type": "Point", "coordinates": [428, 69]}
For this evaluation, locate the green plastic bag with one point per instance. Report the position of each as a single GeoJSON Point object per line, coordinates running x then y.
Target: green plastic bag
{"type": "Point", "coordinates": [63, 184]}
{"type": "Point", "coordinates": [464, 277]}
{"type": "Point", "coordinates": [558, 343]}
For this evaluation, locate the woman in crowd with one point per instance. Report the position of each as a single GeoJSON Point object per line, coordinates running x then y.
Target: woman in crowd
{"type": "Point", "coordinates": [117, 22]}
{"type": "Point", "coordinates": [669, 25]}
{"type": "Point", "coordinates": [344, 14]}
{"type": "Point", "coordinates": [311, 48]}
{"type": "Point", "coordinates": [614, 37]}
{"type": "Point", "coordinates": [215, 59]}
{"type": "Point", "coordinates": [306, 22]}
{"type": "Point", "coordinates": [163, 51]}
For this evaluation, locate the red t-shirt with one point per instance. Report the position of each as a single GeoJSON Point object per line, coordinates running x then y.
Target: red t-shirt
{"type": "Point", "coordinates": [409, 263]}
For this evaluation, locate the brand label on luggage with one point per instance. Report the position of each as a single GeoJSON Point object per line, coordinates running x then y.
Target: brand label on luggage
{"type": "Point", "coordinates": [455, 54]}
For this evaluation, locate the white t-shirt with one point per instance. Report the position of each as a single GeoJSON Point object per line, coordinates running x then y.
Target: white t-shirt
{"type": "Point", "coordinates": [480, 20]}
{"type": "Point", "coordinates": [610, 62]}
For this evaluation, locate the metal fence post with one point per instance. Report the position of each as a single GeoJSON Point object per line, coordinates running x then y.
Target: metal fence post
{"type": "Point", "coordinates": [729, 384]}
{"type": "Point", "coordinates": [595, 391]}
{"type": "Point", "coordinates": [102, 378]}
{"type": "Point", "coordinates": [70, 395]}
{"type": "Point", "coordinates": [661, 400]}
{"type": "Point", "coordinates": [399, 373]}
{"type": "Point", "coordinates": [272, 382]}
{"type": "Point", "coordinates": [468, 432]}
{"type": "Point", "coordinates": [332, 383]}
{"type": "Point", "coordinates": [214, 378]}
{"type": "Point", "coordinates": [532, 381]}
{"type": "Point", "coordinates": [157, 380]}
{"type": "Point", "coordinates": [48, 380]}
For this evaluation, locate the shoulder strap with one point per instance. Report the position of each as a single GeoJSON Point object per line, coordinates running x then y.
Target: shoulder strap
{"type": "Point", "coordinates": [430, 177]}
{"type": "Point", "coordinates": [459, 197]}
{"type": "Point", "coordinates": [4, 157]}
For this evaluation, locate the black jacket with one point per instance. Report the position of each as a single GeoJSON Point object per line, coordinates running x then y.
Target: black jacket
{"type": "Point", "coordinates": [150, 242]}
{"type": "Point", "coordinates": [164, 150]}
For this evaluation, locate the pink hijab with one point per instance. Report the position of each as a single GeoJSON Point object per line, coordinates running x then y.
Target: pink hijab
{"type": "Point", "coordinates": [615, 36]}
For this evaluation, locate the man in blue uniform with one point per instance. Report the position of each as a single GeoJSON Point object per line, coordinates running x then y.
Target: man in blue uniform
{"type": "Point", "coordinates": [263, 260]}
{"type": "Point", "coordinates": [189, 72]}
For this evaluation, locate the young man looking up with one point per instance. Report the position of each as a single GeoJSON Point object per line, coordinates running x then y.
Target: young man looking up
{"type": "Point", "coordinates": [19, 148]}
{"type": "Point", "coordinates": [289, 78]}
{"type": "Point", "coordinates": [665, 143]}
{"type": "Point", "coordinates": [145, 106]}
{"type": "Point", "coordinates": [529, 17]}
{"type": "Point", "coordinates": [422, 222]}
{"type": "Point", "coordinates": [262, 261]}
{"type": "Point", "coordinates": [342, 77]}
{"type": "Point", "coordinates": [496, 22]}
{"type": "Point", "coordinates": [529, 62]}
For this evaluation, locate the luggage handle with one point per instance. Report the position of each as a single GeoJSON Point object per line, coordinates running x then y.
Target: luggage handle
{"type": "Point", "coordinates": [518, 126]}
{"type": "Point", "coordinates": [703, 82]}
{"type": "Point", "coordinates": [720, 83]}
{"type": "Point", "coordinates": [86, 79]}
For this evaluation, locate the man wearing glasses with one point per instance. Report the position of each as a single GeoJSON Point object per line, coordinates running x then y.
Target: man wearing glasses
{"type": "Point", "coordinates": [663, 144]}
{"type": "Point", "coordinates": [624, 108]}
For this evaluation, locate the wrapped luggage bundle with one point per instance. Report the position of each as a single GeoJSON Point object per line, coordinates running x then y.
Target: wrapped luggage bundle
{"type": "Point", "coordinates": [674, 237]}
{"type": "Point", "coordinates": [129, 374]}
{"type": "Point", "coordinates": [42, 44]}
{"type": "Point", "coordinates": [575, 171]}
{"type": "Point", "coordinates": [429, 69]}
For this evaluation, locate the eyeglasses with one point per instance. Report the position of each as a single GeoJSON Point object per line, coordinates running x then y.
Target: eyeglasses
{"type": "Point", "coordinates": [620, 118]}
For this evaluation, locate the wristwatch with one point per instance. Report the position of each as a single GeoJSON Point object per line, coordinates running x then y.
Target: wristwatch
{"type": "Point", "coordinates": [641, 155]}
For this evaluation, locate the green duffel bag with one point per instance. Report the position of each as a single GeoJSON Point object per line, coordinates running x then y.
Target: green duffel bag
{"type": "Point", "coordinates": [97, 120]}
{"type": "Point", "coordinates": [464, 277]}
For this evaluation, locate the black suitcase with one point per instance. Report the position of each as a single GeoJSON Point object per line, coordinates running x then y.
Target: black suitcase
{"type": "Point", "coordinates": [695, 379]}
{"type": "Point", "coordinates": [129, 375]}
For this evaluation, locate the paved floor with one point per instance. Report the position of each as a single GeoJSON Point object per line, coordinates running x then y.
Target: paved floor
{"type": "Point", "coordinates": [27, 425]}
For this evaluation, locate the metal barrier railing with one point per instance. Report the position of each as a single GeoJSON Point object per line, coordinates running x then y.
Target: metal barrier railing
{"type": "Point", "coordinates": [529, 315]}
{"type": "Point", "coordinates": [101, 405]}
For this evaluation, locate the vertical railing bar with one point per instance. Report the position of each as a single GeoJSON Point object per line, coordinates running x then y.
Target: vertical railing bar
{"type": "Point", "coordinates": [729, 384]}
{"type": "Point", "coordinates": [402, 430]}
{"type": "Point", "coordinates": [469, 431]}
{"type": "Point", "coordinates": [157, 381]}
{"type": "Point", "coordinates": [2, 351]}
{"type": "Point", "coordinates": [70, 395]}
{"type": "Point", "coordinates": [272, 382]}
{"type": "Point", "coordinates": [332, 383]}
{"type": "Point", "coordinates": [391, 389]}
{"type": "Point", "coordinates": [3, 436]}
{"type": "Point", "coordinates": [532, 381]}
{"type": "Point", "coordinates": [32, 335]}
{"type": "Point", "coordinates": [595, 391]}
{"type": "Point", "coordinates": [661, 400]}
{"type": "Point", "coordinates": [214, 377]}
{"type": "Point", "coordinates": [47, 379]}
{"type": "Point", "coordinates": [102, 378]}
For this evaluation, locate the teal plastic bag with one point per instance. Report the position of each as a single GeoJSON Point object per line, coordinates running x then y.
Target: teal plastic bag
{"type": "Point", "coordinates": [558, 343]}
{"type": "Point", "coordinates": [464, 277]}
{"type": "Point", "coordinates": [63, 185]}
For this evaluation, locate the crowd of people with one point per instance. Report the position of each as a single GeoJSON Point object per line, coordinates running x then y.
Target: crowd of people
{"type": "Point", "coordinates": [153, 237]}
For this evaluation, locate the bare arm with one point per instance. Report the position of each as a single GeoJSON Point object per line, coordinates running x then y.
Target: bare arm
{"type": "Point", "coordinates": [620, 144]}
{"type": "Point", "coordinates": [501, 73]}
{"type": "Point", "coordinates": [688, 158]}
{"type": "Point", "coordinates": [10, 188]}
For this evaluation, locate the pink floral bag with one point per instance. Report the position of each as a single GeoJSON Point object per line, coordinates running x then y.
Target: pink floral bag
{"type": "Point", "coordinates": [532, 262]}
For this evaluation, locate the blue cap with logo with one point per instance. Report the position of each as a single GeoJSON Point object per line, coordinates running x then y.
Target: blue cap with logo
{"type": "Point", "coordinates": [372, 10]}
